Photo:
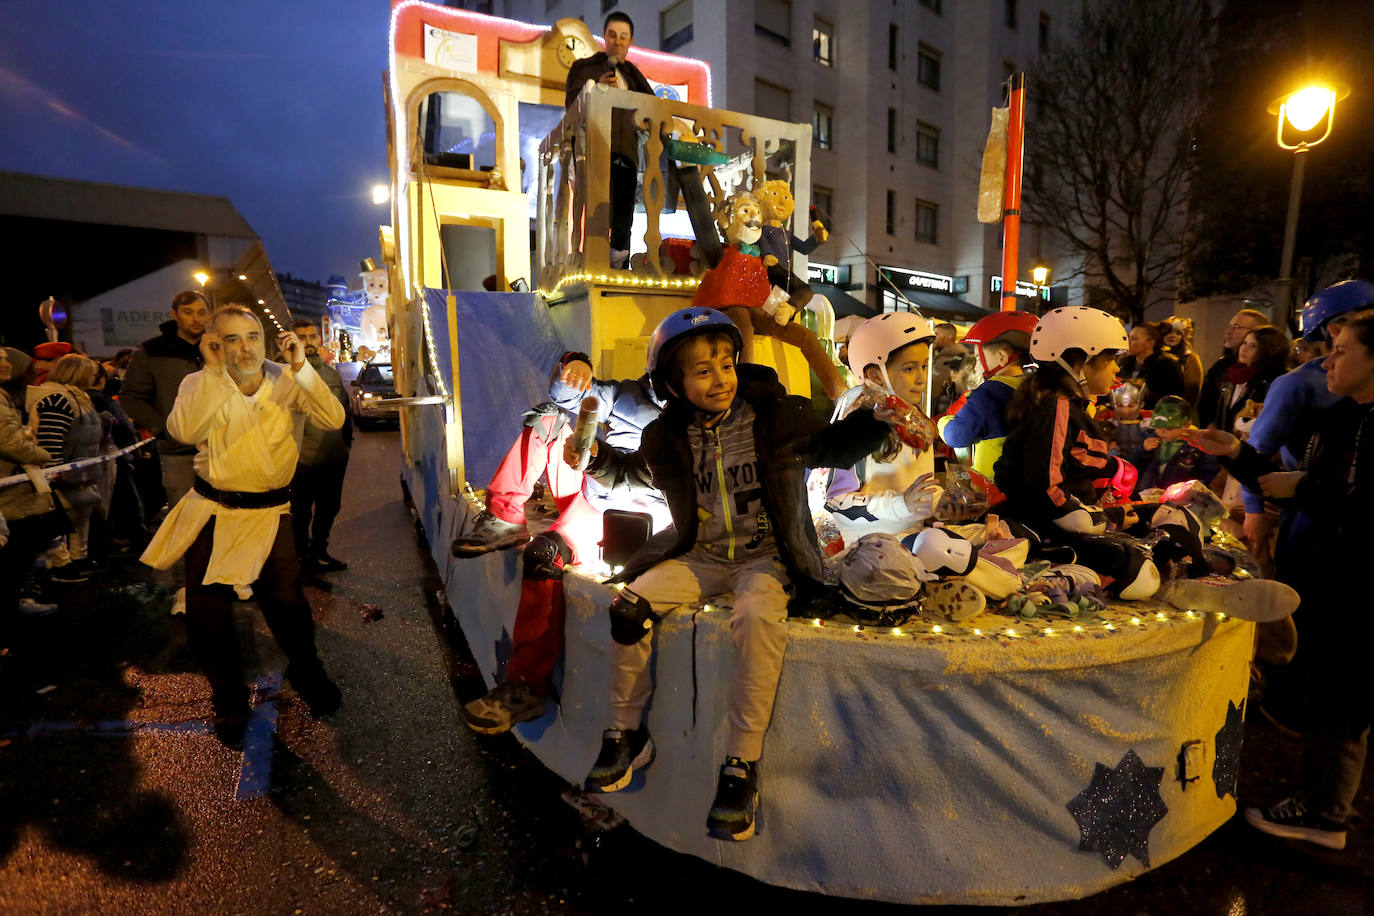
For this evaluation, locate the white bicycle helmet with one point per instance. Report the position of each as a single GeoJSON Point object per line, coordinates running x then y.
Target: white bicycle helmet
{"type": "Point", "coordinates": [1075, 328]}
{"type": "Point", "coordinates": [879, 337]}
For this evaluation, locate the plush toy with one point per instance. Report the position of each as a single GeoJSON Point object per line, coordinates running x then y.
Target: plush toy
{"type": "Point", "coordinates": [739, 286]}
{"type": "Point", "coordinates": [372, 332]}
{"type": "Point", "coordinates": [777, 243]}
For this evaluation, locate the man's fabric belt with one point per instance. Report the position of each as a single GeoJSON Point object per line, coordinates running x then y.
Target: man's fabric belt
{"type": "Point", "coordinates": [237, 499]}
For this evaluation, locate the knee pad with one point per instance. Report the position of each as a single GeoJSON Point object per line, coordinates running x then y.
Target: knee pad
{"type": "Point", "coordinates": [631, 618]}
{"type": "Point", "coordinates": [1083, 520]}
{"type": "Point", "coordinates": [1139, 579]}
{"type": "Point", "coordinates": [545, 555]}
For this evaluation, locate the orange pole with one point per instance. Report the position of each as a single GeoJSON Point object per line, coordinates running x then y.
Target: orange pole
{"type": "Point", "coordinates": [1011, 194]}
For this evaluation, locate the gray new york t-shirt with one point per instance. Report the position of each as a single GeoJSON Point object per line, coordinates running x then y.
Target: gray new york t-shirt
{"type": "Point", "coordinates": [731, 521]}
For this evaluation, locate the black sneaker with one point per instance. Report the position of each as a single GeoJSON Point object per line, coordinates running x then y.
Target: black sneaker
{"type": "Point", "coordinates": [1290, 818]}
{"type": "Point", "coordinates": [326, 564]}
{"type": "Point", "coordinates": [737, 801]}
{"type": "Point", "coordinates": [621, 754]}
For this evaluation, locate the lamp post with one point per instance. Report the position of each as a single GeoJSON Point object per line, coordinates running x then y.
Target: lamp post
{"type": "Point", "coordinates": [1310, 112]}
{"type": "Point", "coordinates": [1039, 274]}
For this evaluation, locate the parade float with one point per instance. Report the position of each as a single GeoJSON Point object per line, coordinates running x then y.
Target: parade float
{"type": "Point", "coordinates": [995, 761]}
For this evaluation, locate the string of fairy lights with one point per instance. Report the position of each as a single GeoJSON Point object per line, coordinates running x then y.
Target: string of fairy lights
{"type": "Point", "coordinates": [625, 278]}
{"type": "Point", "coordinates": [985, 626]}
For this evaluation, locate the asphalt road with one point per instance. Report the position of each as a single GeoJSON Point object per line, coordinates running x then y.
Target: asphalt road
{"type": "Point", "coordinates": [115, 798]}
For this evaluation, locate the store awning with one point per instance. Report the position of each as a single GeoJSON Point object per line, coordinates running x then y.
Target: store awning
{"type": "Point", "coordinates": [842, 302]}
{"type": "Point", "coordinates": [943, 305]}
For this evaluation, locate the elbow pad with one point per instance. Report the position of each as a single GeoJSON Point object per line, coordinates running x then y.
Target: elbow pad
{"type": "Point", "coordinates": [868, 507]}
{"type": "Point", "coordinates": [1083, 520]}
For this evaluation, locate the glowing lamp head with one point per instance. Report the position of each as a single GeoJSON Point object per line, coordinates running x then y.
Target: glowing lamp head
{"type": "Point", "coordinates": [1040, 273]}
{"type": "Point", "coordinates": [380, 194]}
{"type": "Point", "coordinates": [201, 277]}
{"type": "Point", "coordinates": [1305, 108]}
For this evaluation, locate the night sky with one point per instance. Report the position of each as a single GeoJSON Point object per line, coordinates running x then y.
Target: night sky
{"type": "Point", "coordinates": [275, 104]}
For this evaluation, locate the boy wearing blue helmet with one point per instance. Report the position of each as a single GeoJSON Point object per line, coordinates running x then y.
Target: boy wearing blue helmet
{"type": "Point", "coordinates": [729, 453]}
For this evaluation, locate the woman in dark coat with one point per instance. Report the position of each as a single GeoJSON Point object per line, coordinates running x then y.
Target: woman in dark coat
{"type": "Point", "coordinates": [1261, 358]}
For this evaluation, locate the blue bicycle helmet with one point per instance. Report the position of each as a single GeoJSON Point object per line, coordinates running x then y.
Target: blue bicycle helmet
{"type": "Point", "coordinates": [1337, 299]}
{"type": "Point", "coordinates": [678, 328]}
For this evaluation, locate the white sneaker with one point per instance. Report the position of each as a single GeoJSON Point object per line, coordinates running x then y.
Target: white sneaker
{"type": "Point", "coordinates": [1260, 600]}
{"type": "Point", "coordinates": [179, 603]}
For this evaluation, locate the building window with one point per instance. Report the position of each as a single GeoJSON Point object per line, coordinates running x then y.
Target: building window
{"type": "Point", "coordinates": [1009, 13]}
{"type": "Point", "coordinates": [892, 47]}
{"type": "Point", "coordinates": [892, 130]}
{"type": "Point", "coordinates": [822, 42]}
{"type": "Point", "coordinates": [772, 101]}
{"type": "Point", "coordinates": [773, 20]}
{"type": "Point", "coordinates": [1044, 32]}
{"type": "Point", "coordinates": [824, 201]}
{"type": "Point", "coordinates": [928, 67]}
{"type": "Point", "coordinates": [927, 222]}
{"type": "Point", "coordinates": [931, 5]}
{"type": "Point", "coordinates": [821, 126]}
{"type": "Point", "coordinates": [927, 145]}
{"type": "Point", "coordinates": [891, 212]}
{"type": "Point", "coordinates": [675, 25]}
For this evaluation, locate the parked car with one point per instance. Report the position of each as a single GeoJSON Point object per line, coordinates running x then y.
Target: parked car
{"type": "Point", "coordinates": [369, 393]}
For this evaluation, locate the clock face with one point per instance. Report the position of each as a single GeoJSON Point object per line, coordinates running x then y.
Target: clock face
{"type": "Point", "coordinates": [570, 49]}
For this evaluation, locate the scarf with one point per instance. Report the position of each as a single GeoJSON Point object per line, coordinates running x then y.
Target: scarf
{"type": "Point", "coordinates": [1241, 375]}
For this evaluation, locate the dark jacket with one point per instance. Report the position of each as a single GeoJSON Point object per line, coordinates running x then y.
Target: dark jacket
{"type": "Point", "coordinates": [789, 438]}
{"type": "Point", "coordinates": [150, 386]}
{"type": "Point", "coordinates": [1211, 384]}
{"type": "Point", "coordinates": [320, 446]}
{"type": "Point", "coordinates": [625, 407]}
{"type": "Point", "coordinates": [1160, 372]}
{"type": "Point", "coordinates": [624, 137]}
{"type": "Point", "coordinates": [1257, 389]}
{"type": "Point", "coordinates": [1051, 462]}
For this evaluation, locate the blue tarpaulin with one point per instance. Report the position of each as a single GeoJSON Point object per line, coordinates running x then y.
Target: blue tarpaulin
{"type": "Point", "coordinates": [507, 348]}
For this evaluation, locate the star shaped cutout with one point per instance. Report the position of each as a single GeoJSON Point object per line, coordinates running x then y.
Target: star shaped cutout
{"type": "Point", "coordinates": [1226, 766]}
{"type": "Point", "coordinates": [1117, 810]}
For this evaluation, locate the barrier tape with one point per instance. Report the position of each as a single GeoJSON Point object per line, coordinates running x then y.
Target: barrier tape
{"type": "Point", "coordinates": [73, 465]}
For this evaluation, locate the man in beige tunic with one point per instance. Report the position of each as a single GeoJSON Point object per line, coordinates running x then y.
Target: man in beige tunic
{"type": "Point", "coordinates": [234, 527]}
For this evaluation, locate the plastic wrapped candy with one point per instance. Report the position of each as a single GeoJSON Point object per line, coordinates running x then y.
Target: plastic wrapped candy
{"type": "Point", "coordinates": [962, 500]}
{"type": "Point", "coordinates": [913, 427]}
{"type": "Point", "coordinates": [1195, 496]}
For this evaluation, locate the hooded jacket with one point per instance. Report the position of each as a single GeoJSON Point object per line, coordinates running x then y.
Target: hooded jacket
{"type": "Point", "coordinates": [16, 450]}
{"type": "Point", "coordinates": [151, 383]}
{"type": "Point", "coordinates": [788, 439]}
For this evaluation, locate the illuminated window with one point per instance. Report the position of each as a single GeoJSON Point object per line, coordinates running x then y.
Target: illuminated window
{"type": "Point", "coordinates": [822, 42]}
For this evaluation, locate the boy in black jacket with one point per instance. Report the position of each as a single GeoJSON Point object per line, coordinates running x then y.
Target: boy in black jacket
{"type": "Point", "coordinates": [730, 454]}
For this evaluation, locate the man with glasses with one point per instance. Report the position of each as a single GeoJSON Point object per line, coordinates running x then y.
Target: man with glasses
{"type": "Point", "coordinates": [1242, 323]}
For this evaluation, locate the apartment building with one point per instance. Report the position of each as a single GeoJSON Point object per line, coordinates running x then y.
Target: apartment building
{"type": "Point", "coordinates": [899, 93]}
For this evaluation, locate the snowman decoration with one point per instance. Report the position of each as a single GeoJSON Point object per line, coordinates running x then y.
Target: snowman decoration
{"type": "Point", "coordinates": [372, 330]}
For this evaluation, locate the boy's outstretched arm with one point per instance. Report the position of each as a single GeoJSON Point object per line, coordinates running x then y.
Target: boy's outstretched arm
{"type": "Point", "coordinates": [846, 442]}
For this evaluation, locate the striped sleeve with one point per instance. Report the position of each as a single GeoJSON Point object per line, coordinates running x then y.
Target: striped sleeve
{"type": "Point", "coordinates": [55, 418]}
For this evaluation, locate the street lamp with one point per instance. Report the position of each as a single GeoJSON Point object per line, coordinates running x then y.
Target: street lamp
{"type": "Point", "coordinates": [380, 194]}
{"type": "Point", "coordinates": [1040, 273]}
{"type": "Point", "coordinates": [1310, 112]}
{"type": "Point", "coordinates": [201, 277]}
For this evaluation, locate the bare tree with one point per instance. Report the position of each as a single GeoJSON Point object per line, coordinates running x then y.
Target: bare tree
{"type": "Point", "coordinates": [1110, 137]}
